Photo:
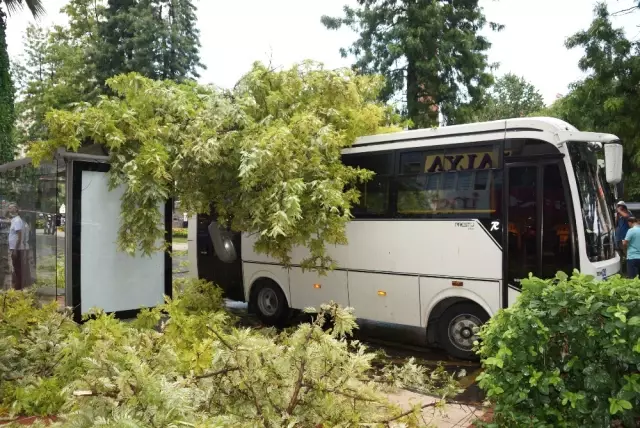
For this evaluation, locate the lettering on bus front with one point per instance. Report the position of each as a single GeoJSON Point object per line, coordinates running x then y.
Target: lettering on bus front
{"type": "Point", "coordinates": [460, 162]}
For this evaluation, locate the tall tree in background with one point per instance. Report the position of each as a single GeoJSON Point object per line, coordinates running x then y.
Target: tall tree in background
{"type": "Point", "coordinates": [7, 91]}
{"type": "Point", "coordinates": [52, 73]}
{"type": "Point", "coordinates": [607, 99]}
{"type": "Point", "coordinates": [156, 38]}
{"type": "Point", "coordinates": [511, 96]}
{"type": "Point", "coordinates": [431, 48]}
{"type": "Point", "coordinates": [31, 78]}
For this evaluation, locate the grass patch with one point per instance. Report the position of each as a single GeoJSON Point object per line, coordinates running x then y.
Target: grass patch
{"type": "Point", "coordinates": [179, 240]}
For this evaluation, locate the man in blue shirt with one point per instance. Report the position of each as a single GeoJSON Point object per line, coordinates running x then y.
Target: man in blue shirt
{"type": "Point", "coordinates": [631, 243]}
{"type": "Point", "coordinates": [622, 225]}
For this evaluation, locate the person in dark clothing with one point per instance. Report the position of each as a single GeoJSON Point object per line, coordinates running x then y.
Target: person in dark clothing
{"type": "Point", "coordinates": [622, 222]}
{"type": "Point", "coordinates": [622, 227]}
{"type": "Point", "coordinates": [18, 253]}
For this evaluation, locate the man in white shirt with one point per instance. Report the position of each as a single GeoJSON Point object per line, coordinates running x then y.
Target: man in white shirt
{"type": "Point", "coordinates": [16, 246]}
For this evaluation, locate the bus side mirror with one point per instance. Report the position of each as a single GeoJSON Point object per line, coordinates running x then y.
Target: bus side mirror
{"type": "Point", "coordinates": [222, 243]}
{"type": "Point", "coordinates": [613, 162]}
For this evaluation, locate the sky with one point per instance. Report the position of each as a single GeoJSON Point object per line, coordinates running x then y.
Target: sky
{"type": "Point", "coordinates": [236, 33]}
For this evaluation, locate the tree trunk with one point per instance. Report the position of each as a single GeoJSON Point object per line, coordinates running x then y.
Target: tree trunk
{"type": "Point", "coordinates": [413, 104]}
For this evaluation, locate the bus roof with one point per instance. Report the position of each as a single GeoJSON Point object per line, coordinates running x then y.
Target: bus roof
{"type": "Point", "coordinates": [538, 124]}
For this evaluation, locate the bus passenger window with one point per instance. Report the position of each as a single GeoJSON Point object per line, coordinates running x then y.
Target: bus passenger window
{"type": "Point", "coordinates": [374, 194]}
{"type": "Point", "coordinates": [374, 197]}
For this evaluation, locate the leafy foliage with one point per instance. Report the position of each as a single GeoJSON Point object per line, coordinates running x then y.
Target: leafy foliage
{"type": "Point", "coordinates": [606, 100]}
{"type": "Point", "coordinates": [432, 49]}
{"type": "Point", "coordinates": [268, 154]}
{"type": "Point", "coordinates": [511, 96]}
{"type": "Point", "coordinates": [185, 363]}
{"type": "Point", "coordinates": [35, 6]}
{"type": "Point", "coordinates": [566, 354]}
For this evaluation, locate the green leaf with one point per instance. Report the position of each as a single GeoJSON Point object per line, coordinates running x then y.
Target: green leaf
{"type": "Point", "coordinates": [634, 320]}
{"type": "Point", "coordinates": [617, 405]}
{"type": "Point", "coordinates": [493, 361]}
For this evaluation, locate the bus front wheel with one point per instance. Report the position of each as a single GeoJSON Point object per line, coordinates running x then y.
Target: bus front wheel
{"type": "Point", "coordinates": [457, 327]}
{"type": "Point", "coordinates": [269, 303]}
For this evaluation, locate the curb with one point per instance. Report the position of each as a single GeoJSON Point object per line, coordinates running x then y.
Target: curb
{"type": "Point", "coordinates": [486, 417]}
{"type": "Point", "coordinates": [30, 420]}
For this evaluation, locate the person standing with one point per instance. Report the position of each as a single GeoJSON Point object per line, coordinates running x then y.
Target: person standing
{"type": "Point", "coordinates": [16, 241]}
{"type": "Point", "coordinates": [26, 259]}
{"type": "Point", "coordinates": [622, 226]}
{"type": "Point", "coordinates": [622, 222]}
{"type": "Point", "coordinates": [5, 257]}
{"type": "Point", "coordinates": [631, 243]}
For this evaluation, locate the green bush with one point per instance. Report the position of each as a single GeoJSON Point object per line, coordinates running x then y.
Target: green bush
{"type": "Point", "coordinates": [567, 354]}
{"type": "Point", "coordinates": [179, 232]}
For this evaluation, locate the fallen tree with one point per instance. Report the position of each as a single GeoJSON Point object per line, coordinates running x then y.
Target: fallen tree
{"type": "Point", "coordinates": [267, 153]}
{"type": "Point", "coordinates": [186, 363]}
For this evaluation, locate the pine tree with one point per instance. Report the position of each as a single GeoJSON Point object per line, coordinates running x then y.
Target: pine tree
{"type": "Point", "coordinates": [116, 34]}
{"type": "Point", "coordinates": [181, 54]}
{"type": "Point", "coordinates": [430, 48]}
{"type": "Point", "coordinates": [32, 75]}
{"type": "Point", "coordinates": [156, 38]}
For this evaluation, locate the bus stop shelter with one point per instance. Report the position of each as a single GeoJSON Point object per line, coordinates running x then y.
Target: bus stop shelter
{"type": "Point", "coordinates": [69, 249]}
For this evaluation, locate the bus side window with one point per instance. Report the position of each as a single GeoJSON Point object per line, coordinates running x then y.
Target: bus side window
{"type": "Point", "coordinates": [464, 182]}
{"type": "Point", "coordinates": [374, 194]}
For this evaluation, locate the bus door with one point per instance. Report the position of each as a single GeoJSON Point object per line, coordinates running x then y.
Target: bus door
{"type": "Point", "coordinates": [227, 274]}
{"type": "Point", "coordinates": [538, 237]}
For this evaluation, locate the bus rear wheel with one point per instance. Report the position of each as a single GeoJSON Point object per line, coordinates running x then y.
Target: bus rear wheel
{"type": "Point", "coordinates": [457, 327]}
{"type": "Point", "coordinates": [269, 303]}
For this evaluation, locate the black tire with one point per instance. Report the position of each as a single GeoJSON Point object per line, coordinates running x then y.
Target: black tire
{"type": "Point", "coordinates": [455, 329]}
{"type": "Point", "coordinates": [269, 303]}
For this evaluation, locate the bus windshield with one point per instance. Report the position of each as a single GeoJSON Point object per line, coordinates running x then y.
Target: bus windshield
{"type": "Point", "coordinates": [595, 196]}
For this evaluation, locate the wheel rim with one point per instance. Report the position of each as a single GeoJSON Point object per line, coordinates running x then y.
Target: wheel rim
{"type": "Point", "coordinates": [268, 302]}
{"type": "Point", "coordinates": [461, 331]}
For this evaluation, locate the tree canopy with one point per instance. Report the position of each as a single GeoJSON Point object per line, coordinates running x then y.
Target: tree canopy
{"type": "Point", "coordinates": [432, 49]}
{"type": "Point", "coordinates": [267, 154]}
{"type": "Point", "coordinates": [511, 96]}
{"type": "Point", "coordinates": [606, 100]}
